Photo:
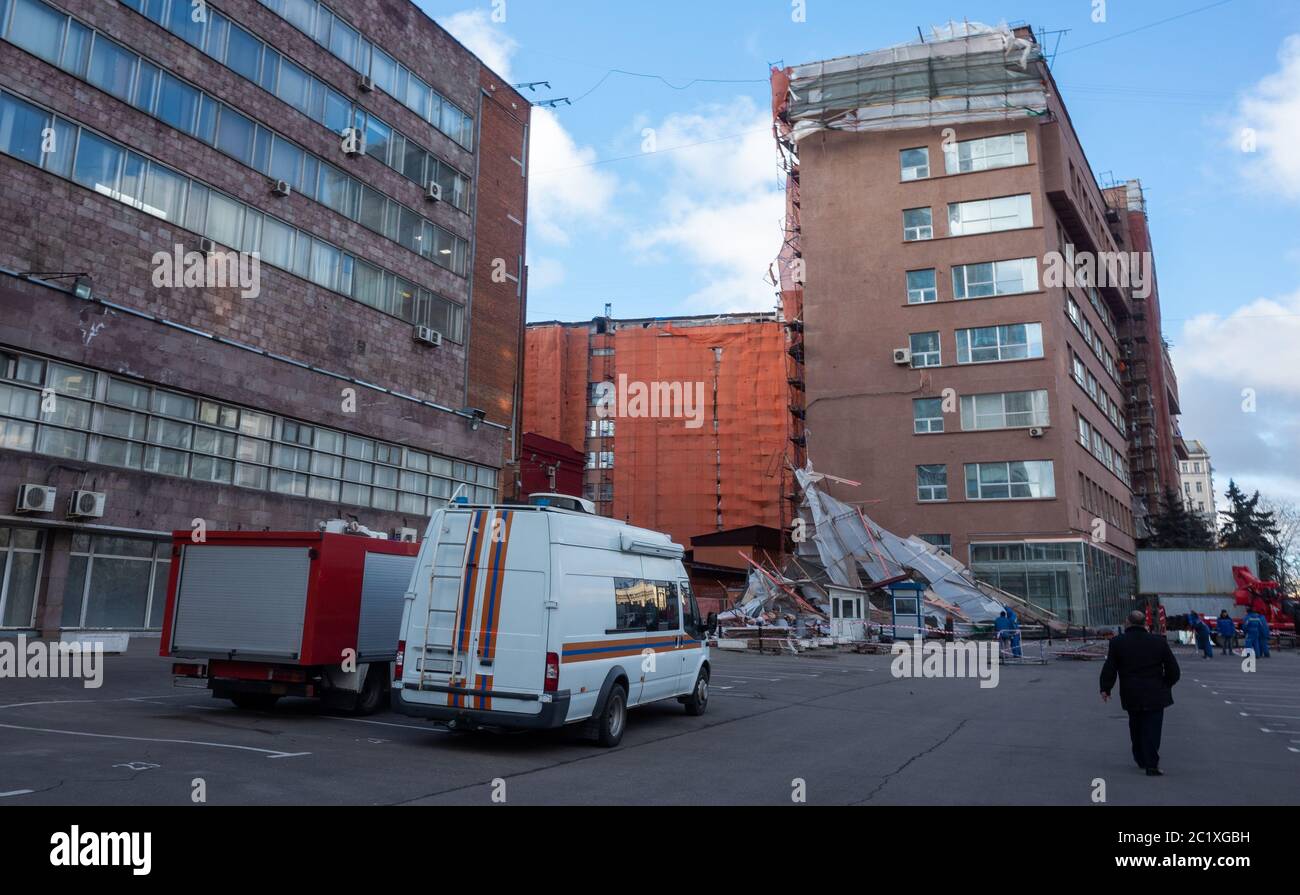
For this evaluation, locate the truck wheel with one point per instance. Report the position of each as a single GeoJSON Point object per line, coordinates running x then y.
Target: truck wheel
{"type": "Point", "coordinates": [255, 702]}
{"type": "Point", "coordinates": [613, 720]}
{"type": "Point", "coordinates": [698, 702]}
{"type": "Point", "coordinates": [371, 696]}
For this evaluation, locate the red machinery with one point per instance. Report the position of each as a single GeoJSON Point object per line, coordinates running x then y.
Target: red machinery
{"type": "Point", "coordinates": [1265, 597]}
{"type": "Point", "coordinates": [272, 614]}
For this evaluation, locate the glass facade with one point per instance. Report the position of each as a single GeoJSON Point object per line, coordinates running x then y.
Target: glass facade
{"type": "Point", "coordinates": [116, 583]}
{"type": "Point", "coordinates": [20, 573]}
{"type": "Point", "coordinates": [125, 176]}
{"type": "Point", "coordinates": [77, 414]}
{"type": "Point", "coordinates": [1078, 582]}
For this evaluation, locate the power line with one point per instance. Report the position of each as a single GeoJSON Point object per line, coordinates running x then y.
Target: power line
{"type": "Point", "coordinates": [1181, 15]}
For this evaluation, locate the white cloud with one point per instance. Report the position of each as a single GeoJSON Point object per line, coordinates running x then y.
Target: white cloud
{"type": "Point", "coordinates": [1239, 381]}
{"type": "Point", "coordinates": [546, 273]}
{"type": "Point", "coordinates": [565, 193]}
{"type": "Point", "coordinates": [722, 204]}
{"type": "Point", "coordinates": [1271, 109]}
{"type": "Point", "coordinates": [484, 38]}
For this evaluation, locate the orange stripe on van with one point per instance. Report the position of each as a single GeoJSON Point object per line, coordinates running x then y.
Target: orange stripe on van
{"type": "Point", "coordinates": [490, 619]}
{"type": "Point", "coordinates": [592, 650]}
{"type": "Point", "coordinates": [469, 585]}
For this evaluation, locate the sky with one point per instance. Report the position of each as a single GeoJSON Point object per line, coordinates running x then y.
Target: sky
{"type": "Point", "coordinates": [657, 191]}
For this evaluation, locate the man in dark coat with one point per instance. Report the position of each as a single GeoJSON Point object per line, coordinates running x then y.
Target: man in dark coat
{"type": "Point", "coordinates": [1147, 672]}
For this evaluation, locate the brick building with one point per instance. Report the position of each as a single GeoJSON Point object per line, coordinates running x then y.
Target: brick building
{"type": "Point", "coordinates": [374, 165]}
{"type": "Point", "coordinates": [723, 464]}
{"type": "Point", "coordinates": [982, 402]}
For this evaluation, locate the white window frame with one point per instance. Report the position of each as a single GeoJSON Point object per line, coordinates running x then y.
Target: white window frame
{"type": "Point", "coordinates": [928, 493]}
{"type": "Point", "coordinates": [936, 356]}
{"type": "Point", "coordinates": [978, 158]}
{"type": "Point", "coordinates": [924, 295]}
{"type": "Point", "coordinates": [990, 215]}
{"type": "Point", "coordinates": [918, 232]}
{"type": "Point", "coordinates": [1001, 272]}
{"type": "Point", "coordinates": [1046, 485]}
{"type": "Point", "coordinates": [1033, 338]}
{"type": "Point", "coordinates": [927, 425]}
{"type": "Point", "coordinates": [914, 172]}
{"type": "Point", "coordinates": [971, 415]}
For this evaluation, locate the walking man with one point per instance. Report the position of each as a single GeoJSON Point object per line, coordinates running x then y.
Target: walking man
{"type": "Point", "coordinates": [1147, 671]}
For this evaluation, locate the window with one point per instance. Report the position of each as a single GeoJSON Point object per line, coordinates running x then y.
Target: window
{"type": "Point", "coordinates": [1008, 410]}
{"type": "Point", "coordinates": [925, 350]}
{"type": "Point", "coordinates": [20, 564]}
{"type": "Point", "coordinates": [1085, 432]}
{"type": "Point", "coordinates": [112, 68]}
{"type": "Point", "coordinates": [915, 163]}
{"type": "Point", "coordinates": [986, 153]}
{"type": "Point", "coordinates": [990, 215]}
{"type": "Point", "coordinates": [235, 135]}
{"type": "Point", "coordinates": [641, 605]}
{"type": "Point", "coordinates": [927, 416]}
{"type": "Point", "coordinates": [1017, 480]}
{"type": "Point", "coordinates": [20, 129]}
{"type": "Point", "coordinates": [178, 103]}
{"type": "Point", "coordinates": [38, 29]}
{"type": "Point", "coordinates": [943, 542]}
{"type": "Point", "coordinates": [1017, 341]}
{"type": "Point", "coordinates": [97, 164]}
{"type": "Point", "coordinates": [921, 288]}
{"type": "Point", "coordinates": [995, 278]}
{"type": "Point", "coordinates": [116, 583]}
{"type": "Point", "coordinates": [931, 483]}
{"type": "Point", "coordinates": [918, 224]}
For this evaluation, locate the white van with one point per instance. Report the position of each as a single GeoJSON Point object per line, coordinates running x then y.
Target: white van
{"type": "Point", "coordinates": [543, 615]}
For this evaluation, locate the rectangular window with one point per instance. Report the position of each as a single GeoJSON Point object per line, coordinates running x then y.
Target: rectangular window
{"type": "Point", "coordinates": [97, 165]}
{"type": "Point", "coordinates": [235, 135]}
{"type": "Point", "coordinates": [915, 163]}
{"type": "Point", "coordinates": [1085, 432]}
{"type": "Point", "coordinates": [1017, 480]}
{"type": "Point", "coordinates": [38, 29]}
{"type": "Point", "coordinates": [178, 103]}
{"type": "Point", "coordinates": [931, 483]}
{"type": "Point", "coordinates": [20, 129]}
{"type": "Point", "coordinates": [990, 344]}
{"type": "Point", "coordinates": [927, 416]}
{"type": "Point", "coordinates": [641, 605]}
{"type": "Point", "coordinates": [921, 287]}
{"type": "Point", "coordinates": [1008, 410]}
{"type": "Point", "coordinates": [986, 153]}
{"type": "Point", "coordinates": [943, 542]}
{"type": "Point", "coordinates": [112, 68]}
{"type": "Point", "coordinates": [995, 278]}
{"type": "Point", "coordinates": [990, 215]}
{"type": "Point", "coordinates": [918, 224]}
{"type": "Point", "coordinates": [925, 350]}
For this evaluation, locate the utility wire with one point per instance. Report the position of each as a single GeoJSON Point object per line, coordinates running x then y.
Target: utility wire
{"type": "Point", "coordinates": [1181, 15]}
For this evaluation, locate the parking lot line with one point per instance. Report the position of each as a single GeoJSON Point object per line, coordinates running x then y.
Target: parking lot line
{"type": "Point", "coordinates": [23, 792]}
{"type": "Point", "coordinates": [269, 753]}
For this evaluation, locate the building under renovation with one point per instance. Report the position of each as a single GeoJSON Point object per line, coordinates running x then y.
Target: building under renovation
{"type": "Point", "coordinates": [983, 404]}
{"type": "Point", "coordinates": [684, 421]}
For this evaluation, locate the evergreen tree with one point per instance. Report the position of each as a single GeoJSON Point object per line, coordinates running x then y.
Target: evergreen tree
{"type": "Point", "coordinates": [1247, 527]}
{"type": "Point", "coordinates": [1175, 527]}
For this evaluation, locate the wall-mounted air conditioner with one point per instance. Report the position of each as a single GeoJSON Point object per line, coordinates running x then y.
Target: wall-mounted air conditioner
{"type": "Point", "coordinates": [86, 505]}
{"type": "Point", "coordinates": [35, 499]}
{"type": "Point", "coordinates": [428, 336]}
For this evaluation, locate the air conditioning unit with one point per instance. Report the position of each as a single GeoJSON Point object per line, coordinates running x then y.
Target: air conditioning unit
{"type": "Point", "coordinates": [903, 356]}
{"type": "Point", "coordinates": [86, 505]}
{"type": "Point", "coordinates": [428, 336]}
{"type": "Point", "coordinates": [434, 192]}
{"type": "Point", "coordinates": [1037, 432]}
{"type": "Point", "coordinates": [282, 188]}
{"type": "Point", "coordinates": [410, 536]}
{"type": "Point", "coordinates": [366, 84]}
{"type": "Point", "coordinates": [354, 142]}
{"type": "Point", "coordinates": [207, 246]}
{"type": "Point", "coordinates": [35, 499]}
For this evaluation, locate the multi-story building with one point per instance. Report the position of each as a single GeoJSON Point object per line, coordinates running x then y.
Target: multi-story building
{"type": "Point", "coordinates": [1198, 484]}
{"type": "Point", "coordinates": [957, 361]}
{"type": "Point", "coordinates": [365, 365]}
{"type": "Point", "coordinates": [683, 420]}
{"type": "Point", "coordinates": [1155, 442]}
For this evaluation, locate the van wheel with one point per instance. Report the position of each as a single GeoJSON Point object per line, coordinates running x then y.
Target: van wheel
{"type": "Point", "coordinates": [698, 702]}
{"type": "Point", "coordinates": [613, 720]}
{"type": "Point", "coordinates": [371, 696]}
{"type": "Point", "coordinates": [255, 702]}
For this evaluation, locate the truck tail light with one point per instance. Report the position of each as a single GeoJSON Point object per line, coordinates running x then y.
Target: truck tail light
{"type": "Point", "coordinates": [401, 660]}
{"type": "Point", "coordinates": [183, 669]}
{"type": "Point", "coordinates": [552, 673]}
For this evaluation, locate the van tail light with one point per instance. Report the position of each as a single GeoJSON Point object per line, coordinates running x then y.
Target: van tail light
{"type": "Point", "coordinates": [552, 673]}
{"type": "Point", "coordinates": [401, 660]}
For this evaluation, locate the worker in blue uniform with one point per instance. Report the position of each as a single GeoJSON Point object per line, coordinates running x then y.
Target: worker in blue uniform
{"type": "Point", "coordinates": [1227, 632]}
{"type": "Point", "coordinates": [1202, 632]}
{"type": "Point", "coordinates": [1254, 627]}
{"type": "Point", "coordinates": [1015, 631]}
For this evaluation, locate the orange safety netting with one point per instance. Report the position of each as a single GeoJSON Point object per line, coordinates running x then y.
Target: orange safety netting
{"type": "Point", "coordinates": [555, 383]}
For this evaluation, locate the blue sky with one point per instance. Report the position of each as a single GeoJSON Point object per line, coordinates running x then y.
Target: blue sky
{"type": "Point", "coordinates": [690, 227]}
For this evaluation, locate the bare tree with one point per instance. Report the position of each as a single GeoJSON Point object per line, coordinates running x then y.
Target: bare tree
{"type": "Point", "coordinates": [1286, 513]}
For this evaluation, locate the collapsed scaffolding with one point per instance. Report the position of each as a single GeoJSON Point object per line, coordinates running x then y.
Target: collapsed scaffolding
{"type": "Point", "coordinates": [845, 556]}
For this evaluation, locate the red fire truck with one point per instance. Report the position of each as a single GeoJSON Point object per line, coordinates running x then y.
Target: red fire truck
{"type": "Point", "coordinates": [256, 616]}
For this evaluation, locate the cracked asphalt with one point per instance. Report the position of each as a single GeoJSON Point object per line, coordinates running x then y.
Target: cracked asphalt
{"type": "Point", "coordinates": [834, 728]}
